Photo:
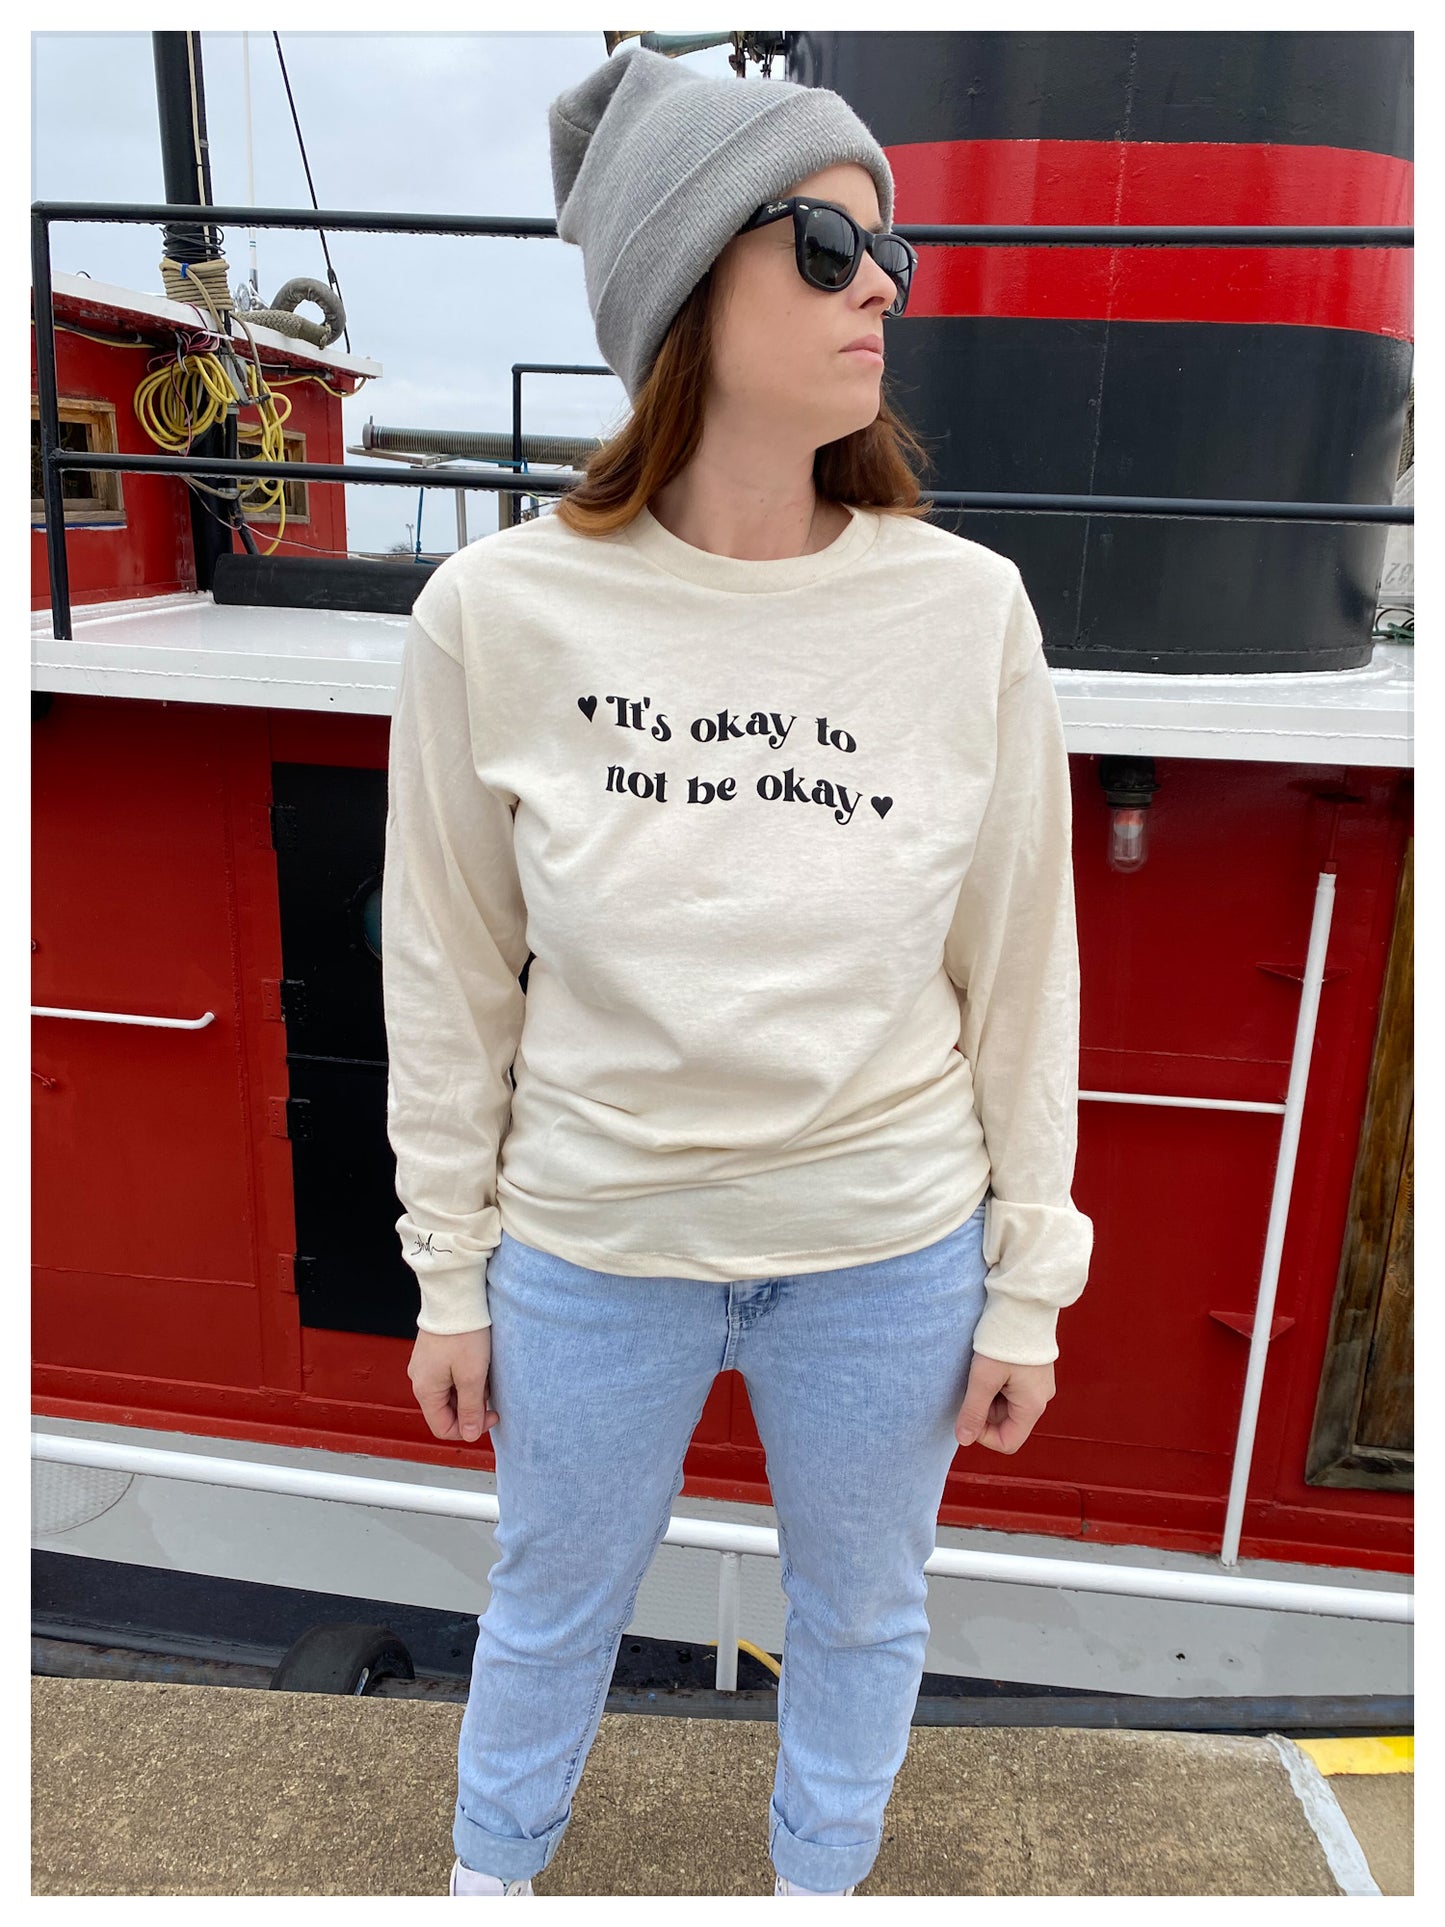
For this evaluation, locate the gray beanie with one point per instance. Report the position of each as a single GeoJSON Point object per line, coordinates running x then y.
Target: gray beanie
{"type": "Point", "coordinates": [656, 167]}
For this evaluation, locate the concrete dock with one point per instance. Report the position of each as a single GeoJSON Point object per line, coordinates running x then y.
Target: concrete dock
{"type": "Point", "coordinates": [150, 1788]}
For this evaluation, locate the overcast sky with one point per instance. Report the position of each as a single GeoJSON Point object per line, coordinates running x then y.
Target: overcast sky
{"type": "Point", "coordinates": [425, 122]}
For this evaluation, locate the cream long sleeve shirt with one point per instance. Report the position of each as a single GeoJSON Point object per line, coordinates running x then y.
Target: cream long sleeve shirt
{"type": "Point", "coordinates": [789, 846]}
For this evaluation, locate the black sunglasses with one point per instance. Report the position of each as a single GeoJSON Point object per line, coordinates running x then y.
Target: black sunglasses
{"type": "Point", "coordinates": [829, 245]}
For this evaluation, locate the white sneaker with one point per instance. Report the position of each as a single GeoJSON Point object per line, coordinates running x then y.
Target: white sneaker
{"type": "Point", "coordinates": [782, 1886]}
{"type": "Point", "coordinates": [464, 1881]}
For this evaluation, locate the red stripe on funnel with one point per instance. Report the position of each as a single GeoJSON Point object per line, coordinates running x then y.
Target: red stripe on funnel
{"type": "Point", "coordinates": [1193, 183]}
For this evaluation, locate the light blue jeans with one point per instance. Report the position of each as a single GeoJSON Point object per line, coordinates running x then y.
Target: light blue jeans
{"type": "Point", "coordinates": [855, 1377]}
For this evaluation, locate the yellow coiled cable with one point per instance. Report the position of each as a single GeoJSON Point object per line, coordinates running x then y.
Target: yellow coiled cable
{"type": "Point", "coordinates": [190, 394]}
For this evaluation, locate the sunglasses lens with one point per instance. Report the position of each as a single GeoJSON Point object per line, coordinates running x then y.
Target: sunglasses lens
{"type": "Point", "coordinates": [896, 259]}
{"type": "Point", "coordinates": [828, 248]}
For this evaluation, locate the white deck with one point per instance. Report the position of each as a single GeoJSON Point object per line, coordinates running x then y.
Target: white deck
{"type": "Point", "coordinates": [187, 648]}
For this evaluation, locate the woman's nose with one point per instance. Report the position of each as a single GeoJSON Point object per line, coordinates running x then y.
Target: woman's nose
{"type": "Point", "coordinates": [880, 283]}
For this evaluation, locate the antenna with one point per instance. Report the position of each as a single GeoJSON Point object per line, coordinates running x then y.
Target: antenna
{"type": "Point", "coordinates": [250, 164]}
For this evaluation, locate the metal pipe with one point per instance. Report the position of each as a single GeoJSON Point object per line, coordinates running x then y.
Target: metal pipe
{"type": "Point", "coordinates": [481, 444]}
{"type": "Point", "coordinates": [729, 1620]}
{"type": "Point", "coordinates": [537, 227]}
{"type": "Point", "coordinates": [507, 504]}
{"type": "Point", "coordinates": [933, 234]}
{"type": "Point", "coordinates": [186, 171]}
{"type": "Point", "coordinates": [124, 1017]}
{"type": "Point", "coordinates": [1299, 1070]}
{"type": "Point", "coordinates": [721, 1535]}
{"type": "Point", "coordinates": [559, 481]}
{"type": "Point", "coordinates": [185, 150]}
{"type": "Point", "coordinates": [1186, 1103]}
{"type": "Point", "coordinates": [47, 394]}
{"type": "Point", "coordinates": [673, 44]}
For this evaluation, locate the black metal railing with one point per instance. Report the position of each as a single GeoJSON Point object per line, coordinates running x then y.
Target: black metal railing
{"type": "Point", "coordinates": [54, 459]}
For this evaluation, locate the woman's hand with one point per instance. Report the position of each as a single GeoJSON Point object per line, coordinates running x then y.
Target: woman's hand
{"type": "Point", "coordinates": [1002, 1403]}
{"type": "Point", "coordinates": [449, 1377]}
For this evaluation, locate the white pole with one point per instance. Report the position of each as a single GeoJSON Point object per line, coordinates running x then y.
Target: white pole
{"type": "Point", "coordinates": [1294, 1103]}
{"type": "Point", "coordinates": [723, 1535]}
{"type": "Point", "coordinates": [250, 159]}
{"type": "Point", "coordinates": [729, 1619]}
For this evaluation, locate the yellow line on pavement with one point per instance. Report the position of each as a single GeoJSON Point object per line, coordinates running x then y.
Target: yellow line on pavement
{"type": "Point", "coordinates": [1390, 1753]}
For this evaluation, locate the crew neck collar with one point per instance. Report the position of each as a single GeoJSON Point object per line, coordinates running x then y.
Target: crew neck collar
{"type": "Point", "coordinates": [658, 544]}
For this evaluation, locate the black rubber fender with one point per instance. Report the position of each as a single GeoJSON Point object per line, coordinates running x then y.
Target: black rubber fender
{"type": "Point", "coordinates": [305, 287]}
{"type": "Point", "coordinates": [343, 1656]}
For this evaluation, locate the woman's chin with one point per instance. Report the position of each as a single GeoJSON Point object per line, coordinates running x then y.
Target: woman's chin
{"type": "Point", "coordinates": [850, 420]}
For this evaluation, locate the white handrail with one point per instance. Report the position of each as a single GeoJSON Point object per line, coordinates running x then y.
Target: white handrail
{"type": "Point", "coordinates": [125, 1017]}
{"type": "Point", "coordinates": [723, 1535]}
{"type": "Point", "coordinates": [1291, 1111]}
{"type": "Point", "coordinates": [1188, 1103]}
{"type": "Point", "coordinates": [1294, 1103]}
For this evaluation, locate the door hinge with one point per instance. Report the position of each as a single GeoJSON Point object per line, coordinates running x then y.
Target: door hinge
{"type": "Point", "coordinates": [289, 1117]}
{"type": "Point", "coordinates": [283, 999]}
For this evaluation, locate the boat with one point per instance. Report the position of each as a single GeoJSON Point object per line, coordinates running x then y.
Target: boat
{"type": "Point", "coordinates": [1194, 450]}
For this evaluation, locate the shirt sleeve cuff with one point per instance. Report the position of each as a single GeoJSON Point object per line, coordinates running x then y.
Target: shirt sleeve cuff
{"type": "Point", "coordinates": [454, 1301]}
{"type": "Point", "coordinates": [1017, 1331]}
{"type": "Point", "coordinates": [1038, 1257]}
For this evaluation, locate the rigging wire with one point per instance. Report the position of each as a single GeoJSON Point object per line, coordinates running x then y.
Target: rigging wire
{"type": "Point", "coordinates": [311, 186]}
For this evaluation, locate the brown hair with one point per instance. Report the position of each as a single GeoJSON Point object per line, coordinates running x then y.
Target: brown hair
{"type": "Point", "coordinates": [874, 467]}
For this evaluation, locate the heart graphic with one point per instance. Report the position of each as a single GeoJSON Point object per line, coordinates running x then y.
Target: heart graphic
{"type": "Point", "coordinates": [883, 804]}
{"type": "Point", "coordinates": [587, 704]}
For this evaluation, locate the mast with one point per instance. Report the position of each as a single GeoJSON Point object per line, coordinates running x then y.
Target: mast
{"type": "Point", "coordinates": [186, 163]}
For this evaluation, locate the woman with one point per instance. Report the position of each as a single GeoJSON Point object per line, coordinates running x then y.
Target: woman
{"type": "Point", "coordinates": [754, 779]}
